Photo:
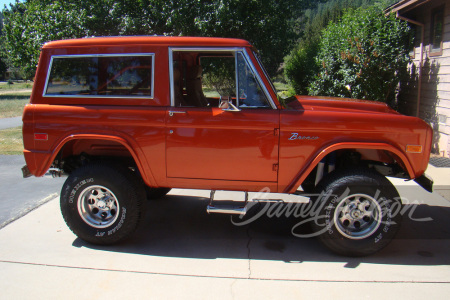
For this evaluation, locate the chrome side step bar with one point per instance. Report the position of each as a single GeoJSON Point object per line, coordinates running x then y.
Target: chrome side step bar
{"type": "Point", "coordinates": [229, 205]}
{"type": "Point", "coordinates": [226, 208]}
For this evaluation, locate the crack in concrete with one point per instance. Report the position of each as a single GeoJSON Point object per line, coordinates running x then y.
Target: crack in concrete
{"type": "Point", "coordinates": [249, 252]}
{"type": "Point", "coordinates": [217, 277]}
{"type": "Point", "coordinates": [231, 288]}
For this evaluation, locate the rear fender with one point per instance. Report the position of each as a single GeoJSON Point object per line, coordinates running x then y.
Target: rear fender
{"type": "Point", "coordinates": [135, 152]}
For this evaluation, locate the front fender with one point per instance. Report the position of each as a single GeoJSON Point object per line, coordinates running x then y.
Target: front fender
{"type": "Point", "coordinates": [312, 163]}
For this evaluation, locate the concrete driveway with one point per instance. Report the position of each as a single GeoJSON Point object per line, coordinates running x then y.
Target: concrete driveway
{"type": "Point", "coordinates": [18, 196]}
{"type": "Point", "coordinates": [182, 252]}
{"type": "Point", "coordinates": [10, 122]}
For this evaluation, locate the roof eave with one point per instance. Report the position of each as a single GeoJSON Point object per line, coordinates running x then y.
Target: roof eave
{"type": "Point", "coordinates": [405, 5]}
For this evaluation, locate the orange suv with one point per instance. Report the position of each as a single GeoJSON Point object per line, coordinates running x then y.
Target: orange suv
{"type": "Point", "coordinates": [127, 118]}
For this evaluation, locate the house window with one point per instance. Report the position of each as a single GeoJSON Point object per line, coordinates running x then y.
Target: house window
{"type": "Point", "coordinates": [437, 31]}
{"type": "Point", "coordinates": [416, 41]}
{"type": "Point", "coordinates": [443, 119]}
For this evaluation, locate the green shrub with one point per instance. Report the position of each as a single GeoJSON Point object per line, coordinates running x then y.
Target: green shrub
{"type": "Point", "coordinates": [363, 56]}
{"type": "Point", "coordinates": [300, 67]}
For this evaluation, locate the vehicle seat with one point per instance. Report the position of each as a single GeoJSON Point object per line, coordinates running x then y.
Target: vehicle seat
{"type": "Point", "coordinates": [178, 95]}
{"type": "Point", "coordinates": [194, 89]}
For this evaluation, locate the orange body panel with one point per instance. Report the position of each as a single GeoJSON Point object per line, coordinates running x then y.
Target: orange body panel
{"type": "Point", "coordinates": [208, 148]}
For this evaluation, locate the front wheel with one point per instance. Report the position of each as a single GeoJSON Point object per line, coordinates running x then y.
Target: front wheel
{"type": "Point", "coordinates": [102, 204]}
{"type": "Point", "coordinates": [359, 212]}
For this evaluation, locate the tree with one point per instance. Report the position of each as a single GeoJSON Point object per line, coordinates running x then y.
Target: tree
{"type": "Point", "coordinates": [300, 67]}
{"type": "Point", "coordinates": [3, 66]}
{"type": "Point", "coordinates": [265, 23]}
{"type": "Point", "coordinates": [363, 56]}
{"type": "Point", "coordinates": [27, 26]}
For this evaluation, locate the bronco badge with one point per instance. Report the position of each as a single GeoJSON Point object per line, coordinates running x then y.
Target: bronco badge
{"type": "Point", "coordinates": [296, 136]}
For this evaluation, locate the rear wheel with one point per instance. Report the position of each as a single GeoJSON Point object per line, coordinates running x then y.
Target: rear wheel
{"type": "Point", "coordinates": [102, 204]}
{"type": "Point", "coordinates": [359, 212]}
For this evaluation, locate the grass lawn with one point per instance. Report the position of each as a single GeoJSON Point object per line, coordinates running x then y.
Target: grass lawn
{"type": "Point", "coordinates": [5, 87]}
{"type": "Point", "coordinates": [12, 107]}
{"type": "Point", "coordinates": [11, 141]}
{"type": "Point", "coordinates": [280, 87]}
{"type": "Point", "coordinates": [13, 98]}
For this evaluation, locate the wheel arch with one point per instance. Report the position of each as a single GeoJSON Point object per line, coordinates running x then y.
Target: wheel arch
{"type": "Point", "coordinates": [399, 157]}
{"type": "Point", "coordinates": [133, 151]}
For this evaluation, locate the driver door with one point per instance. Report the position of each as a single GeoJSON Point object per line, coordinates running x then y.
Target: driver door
{"type": "Point", "coordinates": [236, 142]}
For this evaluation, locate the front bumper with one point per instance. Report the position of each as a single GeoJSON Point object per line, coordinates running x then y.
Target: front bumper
{"type": "Point", "coordinates": [426, 182]}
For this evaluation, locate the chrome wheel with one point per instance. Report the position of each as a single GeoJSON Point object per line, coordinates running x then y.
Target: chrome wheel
{"type": "Point", "coordinates": [357, 216]}
{"type": "Point", "coordinates": [98, 206]}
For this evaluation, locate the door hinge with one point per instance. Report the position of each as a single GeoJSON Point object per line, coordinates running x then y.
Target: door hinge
{"type": "Point", "coordinates": [275, 167]}
{"type": "Point", "coordinates": [276, 132]}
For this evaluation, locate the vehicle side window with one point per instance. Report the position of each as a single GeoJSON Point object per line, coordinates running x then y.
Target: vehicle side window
{"type": "Point", "coordinates": [250, 92]}
{"type": "Point", "coordinates": [219, 76]}
{"type": "Point", "coordinates": [202, 78]}
{"type": "Point", "coordinates": [101, 76]}
{"type": "Point", "coordinates": [205, 78]}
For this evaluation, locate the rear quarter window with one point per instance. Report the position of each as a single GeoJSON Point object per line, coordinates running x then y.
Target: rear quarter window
{"type": "Point", "coordinates": [101, 76]}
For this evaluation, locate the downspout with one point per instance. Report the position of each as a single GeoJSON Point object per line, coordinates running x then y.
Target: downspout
{"type": "Point", "coordinates": [419, 92]}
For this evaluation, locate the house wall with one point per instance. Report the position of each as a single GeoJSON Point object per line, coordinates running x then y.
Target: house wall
{"type": "Point", "coordinates": [435, 95]}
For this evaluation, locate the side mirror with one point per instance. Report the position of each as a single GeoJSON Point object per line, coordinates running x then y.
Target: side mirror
{"type": "Point", "coordinates": [226, 105]}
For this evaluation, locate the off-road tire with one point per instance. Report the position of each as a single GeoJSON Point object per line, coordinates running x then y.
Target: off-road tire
{"type": "Point", "coordinates": [102, 203]}
{"type": "Point", "coordinates": [358, 212]}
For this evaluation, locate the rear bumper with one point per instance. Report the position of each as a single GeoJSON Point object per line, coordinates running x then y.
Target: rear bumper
{"type": "Point", "coordinates": [26, 172]}
{"type": "Point", "coordinates": [426, 182]}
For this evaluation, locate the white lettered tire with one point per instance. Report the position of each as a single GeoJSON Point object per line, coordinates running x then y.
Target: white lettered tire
{"type": "Point", "coordinates": [359, 212]}
{"type": "Point", "coordinates": [102, 203]}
